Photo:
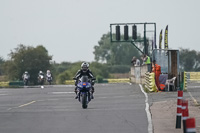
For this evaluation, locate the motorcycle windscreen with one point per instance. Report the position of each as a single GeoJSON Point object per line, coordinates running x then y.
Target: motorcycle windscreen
{"type": "Point", "coordinates": [84, 78]}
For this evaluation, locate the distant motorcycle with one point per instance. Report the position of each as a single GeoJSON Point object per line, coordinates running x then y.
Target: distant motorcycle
{"type": "Point", "coordinates": [41, 79]}
{"type": "Point", "coordinates": [26, 79]}
{"type": "Point", "coordinates": [49, 78]}
{"type": "Point", "coordinates": [84, 91]}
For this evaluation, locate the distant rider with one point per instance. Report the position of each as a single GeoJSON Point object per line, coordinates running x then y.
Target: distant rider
{"type": "Point", "coordinates": [84, 71]}
{"type": "Point", "coordinates": [40, 74]}
{"type": "Point", "coordinates": [25, 75]}
{"type": "Point", "coordinates": [48, 74]}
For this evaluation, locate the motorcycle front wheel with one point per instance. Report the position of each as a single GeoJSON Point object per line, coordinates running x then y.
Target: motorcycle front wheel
{"type": "Point", "coordinates": [84, 101]}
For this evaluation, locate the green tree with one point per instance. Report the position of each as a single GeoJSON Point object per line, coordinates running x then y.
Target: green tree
{"type": "Point", "coordinates": [114, 53]}
{"type": "Point", "coordinates": [70, 71]}
{"type": "Point", "coordinates": [189, 60]}
{"type": "Point", "coordinates": [27, 58]}
{"type": "Point", "coordinates": [2, 61]}
{"type": "Point", "coordinates": [97, 69]}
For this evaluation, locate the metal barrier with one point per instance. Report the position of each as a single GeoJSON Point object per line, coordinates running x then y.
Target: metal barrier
{"type": "Point", "coordinates": [193, 76]}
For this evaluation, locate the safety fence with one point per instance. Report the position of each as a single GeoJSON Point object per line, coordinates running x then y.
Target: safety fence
{"type": "Point", "coordinates": [4, 84]}
{"type": "Point", "coordinates": [67, 82]}
{"type": "Point", "coordinates": [123, 80]}
{"type": "Point", "coordinates": [14, 84]}
{"type": "Point", "coordinates": [150, 82]}
{"type": "Point", "coordinates": [193, 76]}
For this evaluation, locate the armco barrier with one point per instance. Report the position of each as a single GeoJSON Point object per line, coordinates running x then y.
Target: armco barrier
{"type": "Point", "coordinates": [124, 80]}
{"type": "Point", "coordinates": [69, 82]}
{"type": "Point", "coordinates": [193, 76]}
{"type": "Point", "coordinates": [150, 82]}
{"type": "Point", "coordinates": [12, 84]}
{"type": "Point", "coordinates": [4, 84]}
{"type": "Point", "coordinates": [16, 83]}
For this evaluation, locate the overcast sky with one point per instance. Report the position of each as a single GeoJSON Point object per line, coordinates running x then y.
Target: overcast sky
{"type": "Point", "coordinates": [69, 29]}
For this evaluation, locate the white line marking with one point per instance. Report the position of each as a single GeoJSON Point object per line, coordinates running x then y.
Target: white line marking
{"type": "Point", "coordinates": [9, 109]}
{"type": "Point", "coordinates": [150, 129]}
{"type": "Point", "coordinates": [195, 101]}
{"type": "Point", "coordinates": [62, 92]}
{"type": "Point", "coordinates": [3, 94]}
{"type": "Point", "coordinates": [26, 104]}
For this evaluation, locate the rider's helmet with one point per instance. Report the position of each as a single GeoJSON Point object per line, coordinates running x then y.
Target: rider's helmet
{"type": "Point", "coordinates": [40, 72]}
{"type": "Point", "coordinates": [48, 72]}
{"type": "Point", "coordinates": [84, 66]}
{"type": "Point", "coordinates": [26, 72]}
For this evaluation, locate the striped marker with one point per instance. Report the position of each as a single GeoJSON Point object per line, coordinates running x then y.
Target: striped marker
{"type": "Point", "coordinates": [185, 114]}
{"type": "Point", "coordinates": [179, 109]}
{"type": "Point", "coordinates": [190, 125]}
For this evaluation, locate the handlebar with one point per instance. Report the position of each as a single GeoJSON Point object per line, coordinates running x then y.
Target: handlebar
{"type": "Point", "coordinates": [74, 78]}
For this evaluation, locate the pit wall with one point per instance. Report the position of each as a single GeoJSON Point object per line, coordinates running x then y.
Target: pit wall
{"type": "Point", "coordinates": [138, 74]}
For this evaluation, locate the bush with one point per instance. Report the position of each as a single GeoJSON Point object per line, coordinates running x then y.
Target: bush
{"type": "Point", "coordinates": [63, 76]}
{"type": "Point", "coordinates": [99, 79]}
{"type": "Point", "coordinates": [119, 69]}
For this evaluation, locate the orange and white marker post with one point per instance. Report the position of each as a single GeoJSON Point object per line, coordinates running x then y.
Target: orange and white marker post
{"type": "Point", "coordinates": [190, 125]}
{"type": "Point", "coordinates": [179, 109]}
{"type": "Point", "coordinates": [185, 114]}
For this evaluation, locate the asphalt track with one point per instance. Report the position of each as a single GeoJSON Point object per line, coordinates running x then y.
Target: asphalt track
{"type": "Point", "coordinates": [117, 108]}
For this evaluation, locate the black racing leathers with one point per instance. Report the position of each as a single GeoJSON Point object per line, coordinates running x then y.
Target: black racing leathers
{"type": "Point", "coordinates": [80, 73]}
{"type": "Point", "coordinates": [88, 73]}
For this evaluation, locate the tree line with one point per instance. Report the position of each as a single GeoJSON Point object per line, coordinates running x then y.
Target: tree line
{"type": "Point", "coordinates": [109, 58]}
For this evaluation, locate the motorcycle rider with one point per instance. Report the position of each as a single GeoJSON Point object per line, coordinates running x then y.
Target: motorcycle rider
{"type": "Point", "coordinates": [84, 71]}
{"type": "Point", "coordinates": [40, 74]}
{"type": "Point", "coordinates": [25, 75]}
{"type": "Point", "coordinates": [48, 74]}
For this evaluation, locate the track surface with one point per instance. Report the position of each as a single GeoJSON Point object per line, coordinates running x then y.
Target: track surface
{"type": "Point", "coordinates": [117, 108]}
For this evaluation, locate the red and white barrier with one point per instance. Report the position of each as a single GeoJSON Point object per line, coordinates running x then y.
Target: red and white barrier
{"type": "Point", "coordinates": [190, 125]}
{"type": "Point", "coordinates": [185, 113]}
{"type": "Point", "coordinates": [179, 109]}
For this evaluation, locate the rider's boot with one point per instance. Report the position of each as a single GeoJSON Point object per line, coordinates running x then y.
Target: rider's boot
{"type": "Point", "coordinates": [92, 91]}
{"type": "Point", "coordinates": [75, 90]}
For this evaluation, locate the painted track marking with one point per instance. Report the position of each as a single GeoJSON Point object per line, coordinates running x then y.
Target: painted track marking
{"type": "Point", "coordinates": [195, 101]}
{"type": "Point", "coordinates": [26, 104]}
{"type": "Point", "coordinates": [150, 129]}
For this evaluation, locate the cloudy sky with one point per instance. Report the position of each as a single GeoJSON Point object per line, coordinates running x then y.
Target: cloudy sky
{"type": "Point", "coordinates": [69, 29]}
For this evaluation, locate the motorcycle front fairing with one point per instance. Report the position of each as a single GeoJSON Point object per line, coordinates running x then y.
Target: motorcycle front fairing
{"type": "Point", "coordinates": [49, 77]}
{"type": "Point", "coordinates": [84, 87]}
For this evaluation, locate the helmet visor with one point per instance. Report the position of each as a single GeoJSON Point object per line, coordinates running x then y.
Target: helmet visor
{"type": "Point", "coordinates": [84, 68]}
